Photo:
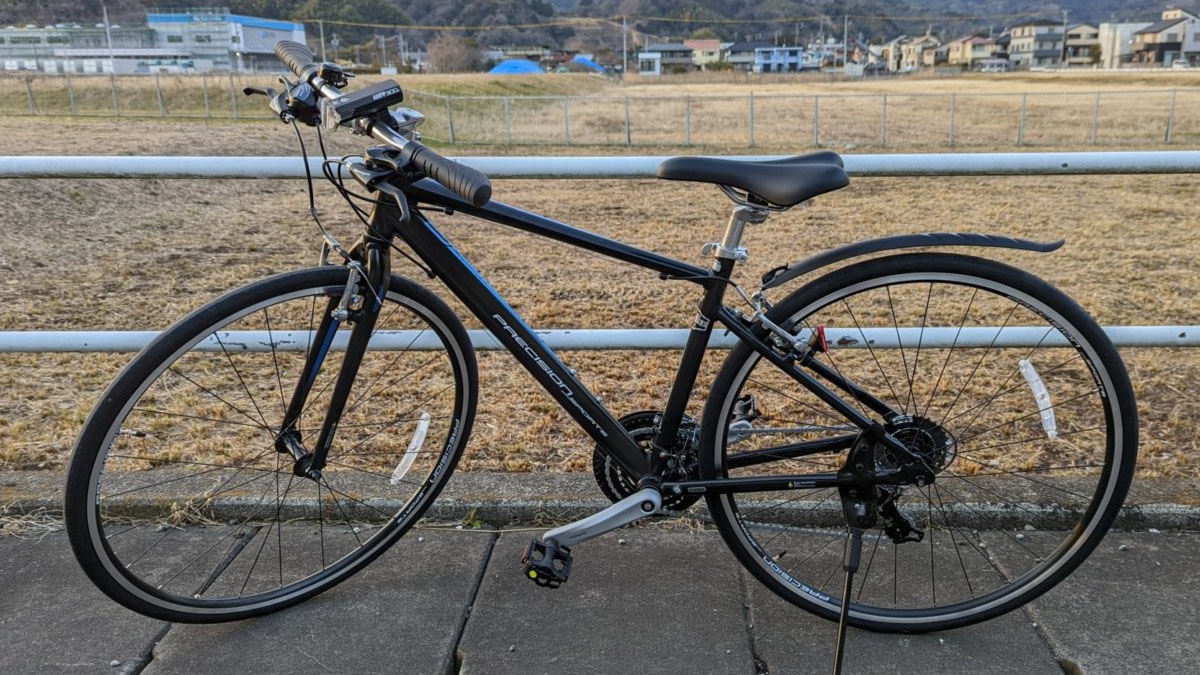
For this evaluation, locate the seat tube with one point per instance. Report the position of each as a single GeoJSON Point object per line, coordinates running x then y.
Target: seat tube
{"type": "Point", "coordinates": [693, 355]}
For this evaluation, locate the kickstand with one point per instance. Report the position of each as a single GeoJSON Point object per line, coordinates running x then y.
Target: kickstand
{"type": "Point", "coordinates": [850, 559]}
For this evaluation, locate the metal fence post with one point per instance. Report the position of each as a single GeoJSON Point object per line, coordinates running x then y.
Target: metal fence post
{"type": "Point", "coordinates": [71, 95]}
{"type": "Point", "coordinates": [112, 81]}
{"type": "Point", "coordinates": [816, 121]}
{"type": "Point", "coordinates": [1021, 122]}
{"type": "Point", "coordinates": [628, 131]}
{"type": "Point", "coordinates": [507, 121]}
{"type": "Point", "coordinates": [688, 121]}
{"type": "Point", "coordinates": [1171, 118]}
{"type": "Point", "coordinates": [204, 84]}
{"type": "Point", "coordinates": [450, 119]}
{"type": "Point", "coordinates": [566, 121]}
{"type": "Point", "coordinates": [232, 98]}
{"type": "Point", "coordinates": [950, 131]}
{"type": "Point", "coordinates": [29, 92]}
{"type": "Point", "coordinates": [162, 106]}
{"type": "Point", "coordinates": [751, 119]}
{"type": "Point", "coordinates": [1095, 118]}
{"type": "Point", "coordinates": [882, 123]}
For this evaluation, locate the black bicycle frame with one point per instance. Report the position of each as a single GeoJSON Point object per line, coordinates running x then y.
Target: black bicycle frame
{"type": "Point", "coordinates": [465, 282]}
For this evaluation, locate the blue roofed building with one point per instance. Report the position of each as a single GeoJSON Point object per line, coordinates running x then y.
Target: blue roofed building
{"type": "Point", "coordinates": [217, 39]}
{"type": "Point", "coordinates": [516, 67]}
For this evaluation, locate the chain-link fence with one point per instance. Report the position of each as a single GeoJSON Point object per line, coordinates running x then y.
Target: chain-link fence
{"type": "Point", "coordinates": [1054, 119]}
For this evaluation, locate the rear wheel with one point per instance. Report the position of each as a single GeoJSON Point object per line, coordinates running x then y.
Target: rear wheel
{"type": "Point", "coordinates": [179, 504]}
{"type": "Point", "coordinates": [1004, 387]}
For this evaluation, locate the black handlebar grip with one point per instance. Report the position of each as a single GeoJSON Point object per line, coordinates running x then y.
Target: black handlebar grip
{"type": "Point", "coordinates": [295, 55]}
{"type": "Point", "coordinates": [466, 182]}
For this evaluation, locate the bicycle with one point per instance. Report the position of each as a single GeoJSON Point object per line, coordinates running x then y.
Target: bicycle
{"type": "Point", "coordinates": [235, 468]}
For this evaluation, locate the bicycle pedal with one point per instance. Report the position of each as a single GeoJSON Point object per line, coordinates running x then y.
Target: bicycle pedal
{"type": "Point", "coordinates": [548, 565]}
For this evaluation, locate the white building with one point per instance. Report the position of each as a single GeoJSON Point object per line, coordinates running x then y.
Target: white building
{"type": "Point", "coordinates": [1116, 43]}
{"type": "Point", "coordinates": [188, 40]}
{"type": "Point", "coordinates": [784, 60]}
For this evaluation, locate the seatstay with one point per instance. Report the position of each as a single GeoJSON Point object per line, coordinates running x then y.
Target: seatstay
{"type": "Point", "coordinates": [783, 274]}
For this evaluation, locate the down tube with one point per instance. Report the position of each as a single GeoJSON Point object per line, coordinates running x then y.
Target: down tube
{"type": "Point", "coordinates": [511, 330]}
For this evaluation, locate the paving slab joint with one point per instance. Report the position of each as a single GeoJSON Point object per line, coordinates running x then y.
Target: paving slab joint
{"type": "Point", "coordinates": [146, 655]}
{"type": "Point", "coordinates": [1070, 667]}
{"type": "Point", "coordinates": [759, 663]}
{"type": "Point", "coordinates": [455, 666]}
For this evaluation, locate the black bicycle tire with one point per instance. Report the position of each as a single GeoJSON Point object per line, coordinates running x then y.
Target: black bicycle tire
{"type": "Point", "coordinates": [79, 518]}
{"type": "Point", "coordinates": [715, 411]}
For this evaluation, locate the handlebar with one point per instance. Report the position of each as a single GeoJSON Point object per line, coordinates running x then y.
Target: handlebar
{"type": "Point", "coordinates": [468, 183]}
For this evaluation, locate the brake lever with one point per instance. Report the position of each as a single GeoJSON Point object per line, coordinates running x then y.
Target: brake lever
{"type": "Point", "coordinates": [400, 197]}
{"type": "Point", "coordinates": [263, 91]}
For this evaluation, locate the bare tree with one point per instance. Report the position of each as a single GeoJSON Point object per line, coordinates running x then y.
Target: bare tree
{"type": "Point", "coordinates": [454, 54]}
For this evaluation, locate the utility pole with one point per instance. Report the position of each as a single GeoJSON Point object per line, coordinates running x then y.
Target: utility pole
{"type": "Point", "coordinates": [112, 67]}
{"type": "Point", "coordinates": [845, 43]}
{"type": "Point", "coordinates": [321, 26]}
{"type": "Point", "coordinates": [1064, 39]}
{"type": "Point", "coordinates": [382, 50]}
{"type": "Point", "coordinates": [624, 48]}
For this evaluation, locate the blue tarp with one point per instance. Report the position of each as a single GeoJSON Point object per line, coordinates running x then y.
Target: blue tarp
{"type": "Point", "coordinates": [589, 63]}
{"type": "Point", "coordinates": [516, 67]}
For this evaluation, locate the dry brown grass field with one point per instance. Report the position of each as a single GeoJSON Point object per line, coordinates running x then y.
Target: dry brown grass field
{"type": "Point", "coordinates": [120, 254]}
{"type": "Point", "coordinates": [1058, 109]}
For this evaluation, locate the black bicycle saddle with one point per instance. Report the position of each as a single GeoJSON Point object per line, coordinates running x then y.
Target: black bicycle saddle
{"type": "Point", "coordinates": [781, 182]}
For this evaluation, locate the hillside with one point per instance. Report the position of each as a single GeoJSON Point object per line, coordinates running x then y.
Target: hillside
{"type": "Point", "coordinates": [655, 19]}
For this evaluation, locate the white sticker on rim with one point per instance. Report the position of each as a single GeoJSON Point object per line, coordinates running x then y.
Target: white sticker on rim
{"type": "Point", "coordinates": [1041, 395]}
{"type": "Point", "coordinates": [414, 449]}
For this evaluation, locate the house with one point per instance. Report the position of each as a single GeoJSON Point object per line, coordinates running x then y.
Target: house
{"type": "Point", "coordinates": [891, 52]}
{"type": "Point", "coordinates": [1116, 42]}
{"type": "Point", "coordinates": [934, 57]}
{"type": "Point", "coordinates": [1036, 43]}
{"type": "Point", "coordinates": [784, 60]}
{"type": "Point", "coordinates": [969, 51]}
{"type": "Point", "coordinates": [913, 51]}
{"type": "Point", "coordinates": [673, 56]}
{"type": "Point", "coordinates": [1083, 44]}
{"type": "Point", "coordinates": [705, 52]}
{"type": "Point", "coordinates": [741, 55]}
{"type": "Point", "coordinates": [649, 64]}
{"type": "Point", "coordinates": [1175, 36]}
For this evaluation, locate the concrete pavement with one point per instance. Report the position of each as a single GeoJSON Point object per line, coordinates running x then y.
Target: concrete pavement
{"type": "Point", "coordinates": [664, 600]}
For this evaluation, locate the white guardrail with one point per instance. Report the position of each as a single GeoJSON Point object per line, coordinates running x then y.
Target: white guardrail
{"type": "Point", "coordinates": [879, 165]}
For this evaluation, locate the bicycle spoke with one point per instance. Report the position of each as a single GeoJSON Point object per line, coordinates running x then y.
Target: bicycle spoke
{"type": "Point", "coordinates": [871, 349]}
{"type": "Point", "coordinates": [257, 423]}
{"type": "Point", "coordinates": [917, 357]}
{"type": "Point", "coordinates": [946, 362]}
{"type": "Point", "coordinates": [237, 372]}
{"type": "Point", "coordinates": [899, 343]}
{"type": "Point", "coordinates": [275, 361]}
{"type": "Point", "coordinates": [978, 363]}
{"type": "Point", "coordinates": [166, 413]}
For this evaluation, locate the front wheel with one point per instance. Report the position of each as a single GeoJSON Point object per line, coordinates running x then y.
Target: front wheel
{"type": "Point", "coordinates": [997, 381]}
{"type": "Point", "coordinates": [181, 505]}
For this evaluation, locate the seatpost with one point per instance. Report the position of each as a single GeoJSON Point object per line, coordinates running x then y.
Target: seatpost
{"type": "Point", "coordinates": [730, 247]}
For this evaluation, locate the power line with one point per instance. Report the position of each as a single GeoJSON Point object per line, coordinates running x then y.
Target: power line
{"type": "Point", "coordinates": [616, 21]}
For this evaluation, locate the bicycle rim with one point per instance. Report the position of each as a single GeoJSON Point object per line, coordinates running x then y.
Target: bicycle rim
{"type": "Point", "coordinates": [190, 508]}
{"type": "Point", "coordinates": [1005, 388]}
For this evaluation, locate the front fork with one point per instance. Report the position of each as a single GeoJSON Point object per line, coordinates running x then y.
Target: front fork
{"type": "Point", "coordinates": [358, 304]}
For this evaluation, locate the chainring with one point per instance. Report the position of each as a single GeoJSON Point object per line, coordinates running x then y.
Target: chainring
{"type": "Point", "coordinates": [643, 426]}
